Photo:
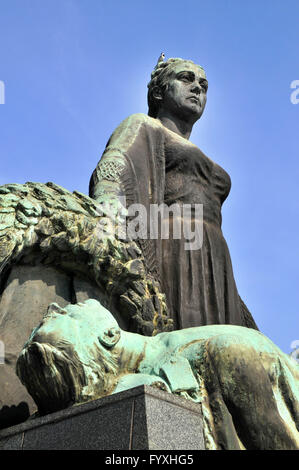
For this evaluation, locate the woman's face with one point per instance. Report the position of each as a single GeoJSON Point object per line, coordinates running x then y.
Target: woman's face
{"type": "Point", "coordinates": [186, 92]}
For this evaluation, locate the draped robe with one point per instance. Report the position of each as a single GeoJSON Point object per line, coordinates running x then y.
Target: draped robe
{"type": "Point", "coordinates": [151, 165]}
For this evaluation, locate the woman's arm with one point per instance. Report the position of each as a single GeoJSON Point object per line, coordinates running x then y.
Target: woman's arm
{"type": "Point", "coordinates": [106, 180]}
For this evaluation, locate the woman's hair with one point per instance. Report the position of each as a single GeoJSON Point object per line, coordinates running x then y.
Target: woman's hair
{"type": "Point", "coordinates": [53, 377]}
{"type": "Point", "coordinates": [56, 377]}
{"type": "Point", "coordinates": [159, 77]}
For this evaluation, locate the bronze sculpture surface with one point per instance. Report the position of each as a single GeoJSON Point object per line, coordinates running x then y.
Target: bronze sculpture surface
{"type": "Point", "coordinates": [246, 387]}
{"type": "Point", "coordinates": [150, 160]}
{"type": "Point", "coordinates": [52, 243]}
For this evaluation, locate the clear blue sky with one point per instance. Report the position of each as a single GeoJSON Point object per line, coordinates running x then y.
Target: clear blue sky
{"type": "Point", "coordinates": [74, 69]}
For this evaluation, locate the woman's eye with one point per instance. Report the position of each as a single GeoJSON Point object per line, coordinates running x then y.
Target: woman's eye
{"type": "Point", "coordinates": [185, 78]}
{"type": "Point", "coordinates": [204, 86]}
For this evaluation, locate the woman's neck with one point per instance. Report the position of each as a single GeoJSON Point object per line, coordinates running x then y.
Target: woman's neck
{"type": "Point", "coordinates": [175, 124]}
{"type": "Point", "coordinates": [139, 351]}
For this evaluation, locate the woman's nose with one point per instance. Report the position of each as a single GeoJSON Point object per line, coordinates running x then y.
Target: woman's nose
{"type": "Point", "coordinates": [195, 88]}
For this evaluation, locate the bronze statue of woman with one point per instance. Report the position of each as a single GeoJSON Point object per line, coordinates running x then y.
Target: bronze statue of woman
{"type": "Point", "coordinates": [150, 160]}
{"type": "Point", "coordinates": [50, 249]}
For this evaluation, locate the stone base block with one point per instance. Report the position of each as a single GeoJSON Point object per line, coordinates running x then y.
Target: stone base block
{"type": "Point", "coordinates": [142, 418]}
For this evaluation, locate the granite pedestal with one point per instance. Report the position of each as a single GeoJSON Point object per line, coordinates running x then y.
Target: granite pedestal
{"type": "Point", "coordinates": [142, 418]}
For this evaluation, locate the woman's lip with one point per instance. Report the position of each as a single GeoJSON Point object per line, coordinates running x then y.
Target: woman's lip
{"type": "Point", "coordinates": [194, 98]}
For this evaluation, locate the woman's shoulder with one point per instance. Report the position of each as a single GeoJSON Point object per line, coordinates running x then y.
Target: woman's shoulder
{"type": "Point", "coordinates": [131, 130]}
{"type": "Point", "coordinates": [140, 119]}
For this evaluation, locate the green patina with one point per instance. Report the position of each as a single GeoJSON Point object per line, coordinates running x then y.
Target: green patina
{"type": "Point", "coordinates": [51, 225]}
{"type": "Point", "coordinates": [246, 386]}
{"type": "Point", "coordinates": [237, 374]}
